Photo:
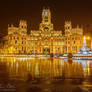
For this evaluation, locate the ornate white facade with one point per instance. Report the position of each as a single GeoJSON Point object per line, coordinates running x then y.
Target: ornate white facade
{"type": "Point", "coordinates": [45, 40]}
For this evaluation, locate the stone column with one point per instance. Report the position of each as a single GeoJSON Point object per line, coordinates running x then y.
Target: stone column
{"type": "Point", "coordinates": [51, 49]}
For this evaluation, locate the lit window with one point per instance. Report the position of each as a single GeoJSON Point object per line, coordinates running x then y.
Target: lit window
{"type": "Point", "coordinates": [46, 20]}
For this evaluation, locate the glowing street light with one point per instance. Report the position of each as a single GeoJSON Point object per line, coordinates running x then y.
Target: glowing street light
{"type": "Point", "coordinates": [88, 38]}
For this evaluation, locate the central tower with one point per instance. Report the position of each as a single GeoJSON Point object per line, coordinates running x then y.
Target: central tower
{"type": "Point", "coordinates": [46, 16]}
{"type": "Point", "coordinates": [46, 20]}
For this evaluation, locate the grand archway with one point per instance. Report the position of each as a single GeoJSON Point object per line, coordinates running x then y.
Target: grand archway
{"type": "Point", "coordinates": [46, 51]}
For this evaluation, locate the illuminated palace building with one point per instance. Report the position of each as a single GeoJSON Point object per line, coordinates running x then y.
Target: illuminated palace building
{"type": "Point", "coordinates": [46, 40]}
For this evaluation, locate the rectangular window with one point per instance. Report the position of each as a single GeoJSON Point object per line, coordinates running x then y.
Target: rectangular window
{"type": "Point", "coordinates": [22, 48]}
{"type": "Point", "coordinates": [22, 42]}
{"type": "Point", "coordinates": [15, 42]}
{"type": "Point", "coordinates": [46, 20]}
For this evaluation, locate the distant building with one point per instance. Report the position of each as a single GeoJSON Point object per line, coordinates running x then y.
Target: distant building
{"type": "Point", "coordinates": [45, 40]}
{"type": "Point", "coordinates": [73, 38]}
{"type": "Point", "coordinates": [18, 38]}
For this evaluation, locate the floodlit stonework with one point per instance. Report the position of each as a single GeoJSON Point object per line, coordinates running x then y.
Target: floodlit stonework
{"type": "Point", "coordinates": [45, 40]}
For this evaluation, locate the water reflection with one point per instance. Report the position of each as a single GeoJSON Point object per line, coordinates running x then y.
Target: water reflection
{"type": "Point", "coordinates": [51, 71]}
{"type": "Point", "coordinates": [47, 68]}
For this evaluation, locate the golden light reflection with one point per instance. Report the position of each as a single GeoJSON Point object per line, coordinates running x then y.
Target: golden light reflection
{"type": "Point", "coordinates": [46, 68]}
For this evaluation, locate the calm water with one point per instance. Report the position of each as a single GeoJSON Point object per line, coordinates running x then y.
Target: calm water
{"type": "Point", "coordinates": [45, 75]}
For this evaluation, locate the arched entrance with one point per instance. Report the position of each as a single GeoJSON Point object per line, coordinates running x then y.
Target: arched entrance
{"type": "Point", "coordinates": [46, 51]}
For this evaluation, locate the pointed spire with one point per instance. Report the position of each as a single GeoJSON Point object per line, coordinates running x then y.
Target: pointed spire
{"type": "Point", "coordinates": [77, 26]}
{"type": "Point", "coordinates": [12, 25]}
{"type": "Point", "coordinates": [8, 25]}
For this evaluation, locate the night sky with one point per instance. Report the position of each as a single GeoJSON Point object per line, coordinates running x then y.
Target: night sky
{"type": "Point", "coordinates": [78, 11]}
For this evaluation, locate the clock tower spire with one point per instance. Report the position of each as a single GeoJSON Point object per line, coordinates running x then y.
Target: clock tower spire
{"type": "Point", "coordinates": [46, 20]}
